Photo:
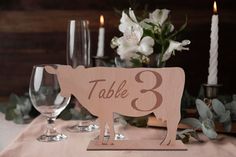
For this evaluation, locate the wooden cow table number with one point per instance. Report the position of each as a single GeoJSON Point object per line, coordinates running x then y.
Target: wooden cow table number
{"type": "Point", "coordinates": [132, 92]}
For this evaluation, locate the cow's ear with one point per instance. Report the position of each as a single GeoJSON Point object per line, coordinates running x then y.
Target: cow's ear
{"type": "Point", "coordinates": [50, 69]}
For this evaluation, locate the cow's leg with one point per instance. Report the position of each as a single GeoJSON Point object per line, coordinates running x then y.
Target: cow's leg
{"type": "Point", "coordinates": [172, 125]}
{"type": "Point", "coordinates": [160, 114]}
{"type": "Point", "coordinates": [110, 123]}
{"type": "Point", "coordinates": [102, 124]}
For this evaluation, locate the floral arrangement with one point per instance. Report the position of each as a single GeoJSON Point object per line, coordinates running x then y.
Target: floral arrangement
{"type": "Point", "coordinates": [149, 41]}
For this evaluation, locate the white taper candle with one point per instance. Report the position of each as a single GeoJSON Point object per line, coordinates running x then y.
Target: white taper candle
{"type": "Point", "coordinates": [101, 38]}
{"type": "Point", "coordinates": [213, 63]}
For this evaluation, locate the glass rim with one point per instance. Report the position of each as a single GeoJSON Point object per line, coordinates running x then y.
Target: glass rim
{"type": "Point", "coordinates": [78, 20]}
{"type": "Point", "coordinates": [43, 65]}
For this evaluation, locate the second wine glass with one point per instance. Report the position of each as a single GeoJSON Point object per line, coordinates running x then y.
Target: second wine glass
{"type": "Point", "coordinates": [45, 96]}
{"type": "Point", "coordinates": [78, 53]}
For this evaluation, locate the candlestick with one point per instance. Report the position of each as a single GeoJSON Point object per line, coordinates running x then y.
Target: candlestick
{"type": "Point", "coordinates": [213, 63]}
{"type": "Point", "coordinates": [101, 38]}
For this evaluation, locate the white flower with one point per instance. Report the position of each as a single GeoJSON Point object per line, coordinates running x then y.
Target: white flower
{"type": "Point", "coordinates": [146, 46]}
{"type": "Point", "coordinates": [132, 40]}
{"type": "Point", "coordinates": [174, 45]}
{"type": "Point", "coordinates": [158, 17]}
{"type": "Point", "coordinates": [126, 22]}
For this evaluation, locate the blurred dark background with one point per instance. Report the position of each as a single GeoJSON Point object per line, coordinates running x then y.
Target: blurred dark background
{"type": "Point", "coordinates": [34, 32]}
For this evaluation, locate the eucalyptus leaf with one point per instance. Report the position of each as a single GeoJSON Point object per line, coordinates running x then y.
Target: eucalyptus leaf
{"type": "Point", "coordinates": [137, 121]}
{"type": "Point", "coordinates": [208, 128]}
{"type": "Point", "coordinates": [10, 114]}
{"type": "Point", "coordinates": [234, 97]}
{"type": "Point", "coordinates": [193, 122]}
{"type": "Point", "coordinates": [228, 126]}
{"type": "Point", "coordinates": [65, 115]}
{"type": "Point", "coordinates": [195, 136]}
{"type": "Point", "coordinates": [203, 109]}
{"type": "Point", "coordinates": [229, 106]}
{"type": "Point", "coordinates": [225, 117]}
{"type": "Point", "coordinates": [218, 107]}
{"type": "Point", "coordinates": [3, 107]}
{"type": "Point", "coordinates": [210, 114]}
{"type": "Point", "coordinates": [14, 99]}
{"type": "Point", "coordinates": [18, 120]}
{"type": "Point", "coordinates": [183, 137]}
{"type": "Point", "coordinates": [186, 131]}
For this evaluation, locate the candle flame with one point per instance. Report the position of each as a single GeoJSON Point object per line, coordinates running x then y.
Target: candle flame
{"type": "Point", "coordinates": [215, 8]}
{"type": "Point", "coordinates": [101, 20]}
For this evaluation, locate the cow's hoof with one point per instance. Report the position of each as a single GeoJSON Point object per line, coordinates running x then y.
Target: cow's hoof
{"type": "Point", "coordinates": [168, 143]}
{"type": "Point", "coordinates": [165, 142]}
{"type": "Point", "coordinates": [110, 143]}
{"type": "Point", "coordinates": [100, 143]}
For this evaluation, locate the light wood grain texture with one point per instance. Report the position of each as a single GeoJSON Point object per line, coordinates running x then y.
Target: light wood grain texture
{"type": "Point", "coordinates": [129, 145]}
{"type": "Point", "coordinates": [132, 92]}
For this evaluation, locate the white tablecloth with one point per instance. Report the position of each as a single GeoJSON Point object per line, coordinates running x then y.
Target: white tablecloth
{"type": "Point", "coordinates": [8, 131]}
{"type": "Point", "coordinates": [26, 145]}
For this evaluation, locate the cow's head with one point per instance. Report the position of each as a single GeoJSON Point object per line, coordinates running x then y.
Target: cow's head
{"type": "Point", "coordinates": [64, 75]}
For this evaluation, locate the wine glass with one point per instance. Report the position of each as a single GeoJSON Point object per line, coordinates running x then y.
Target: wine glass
{"type": "Point", "coordinates": [44, 91]}
{"type": "Point", "coordinates": [78, 53]}
{"type": "Point", "coordinates": [78, 43]}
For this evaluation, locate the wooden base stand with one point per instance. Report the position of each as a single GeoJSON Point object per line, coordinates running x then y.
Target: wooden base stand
{"type": "Point", "coordinates": [142, 145]}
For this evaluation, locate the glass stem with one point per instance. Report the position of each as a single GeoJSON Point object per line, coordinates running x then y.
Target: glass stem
{"type": "Point", "coordinates": [51, 126]}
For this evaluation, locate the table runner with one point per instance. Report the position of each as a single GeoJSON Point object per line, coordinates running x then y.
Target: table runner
{"type": "Point", "coordinates": [26, 145]}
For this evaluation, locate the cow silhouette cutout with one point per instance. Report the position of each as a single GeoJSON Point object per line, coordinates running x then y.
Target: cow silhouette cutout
{"type": "Point", "coordinates": [132, 92]}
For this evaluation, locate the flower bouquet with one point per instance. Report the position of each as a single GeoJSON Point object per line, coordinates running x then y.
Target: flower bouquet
{"type": "Point", "coordinates": [149, 41]}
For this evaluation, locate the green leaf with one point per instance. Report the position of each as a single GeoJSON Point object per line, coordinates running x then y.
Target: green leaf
{"type": "Point", "coordinates": [234, 97]}
{"type": "Point", "coordinates": [166, 30]}
{"type": "Point", "coordinates": [203, 110]}
{"type": "Point", "coordinates": [195, 136]}
{"type": "Point", "coordinates": [18, 120]}
{"type": "Point", "coordinates": [10, 114]}
{"type": "Point", "coordinates": [225, 117]}
{"type": "Point", "coordinates": [136, 62]}
{"type": "Point", "coordinates": [13, 99]}
{"type": "Point", "coordinates": [218, 107]}
{"type": "Point", "coordinates": [208, 128]}
{"type": "Point", "coordinates": [65, 115]}
{"type": "Point", "coordinates": [120, 63]}
{"type": "Point", "coordinates": [181, 28]}
{"type": "Point", "coordinates": [228, 126]}
{"type": "Point", "coordinates": [195, 123]}
{"type": "Point", "coordinates": [137, 121]}
{"type": "Point", "coordinates": [3, 107]}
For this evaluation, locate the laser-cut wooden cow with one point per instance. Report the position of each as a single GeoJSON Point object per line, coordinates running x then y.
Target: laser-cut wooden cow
{"type": "Point", "coordinates": [132, 92]}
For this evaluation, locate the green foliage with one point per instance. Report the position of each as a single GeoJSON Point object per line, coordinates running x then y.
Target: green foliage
{"type": "Point", "coordinates": [120, 63]}
{"type": "Point", "coordinates": [186, 134]}
{"type": "Point", "coordinates": [138, 121]}
{"type": "Point", "coordinates": [136, 62]}
{"type": "Point", "coordinates": [17, 109]}
{"type": "Point", "coordinates": [208, 115]}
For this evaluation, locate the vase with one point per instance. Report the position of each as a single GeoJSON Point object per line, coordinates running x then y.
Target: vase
{"type": "Point", "coordinates": [159, 62]}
